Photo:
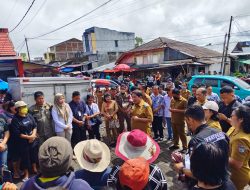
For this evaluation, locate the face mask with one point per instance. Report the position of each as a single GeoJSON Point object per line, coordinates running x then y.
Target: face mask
{"type": "Point", "coordinates": [24, 111]}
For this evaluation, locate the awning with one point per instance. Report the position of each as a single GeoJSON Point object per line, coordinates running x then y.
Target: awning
{"type": "Point", "coordinates": [102, 68]}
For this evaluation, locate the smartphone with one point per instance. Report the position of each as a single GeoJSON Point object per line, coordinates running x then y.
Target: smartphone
{"type": "Point", "coordinates": [7, 176]}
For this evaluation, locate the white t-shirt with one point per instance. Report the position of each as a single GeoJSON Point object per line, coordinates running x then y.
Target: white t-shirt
{"type": "Point", "coordinates": [167, 101]}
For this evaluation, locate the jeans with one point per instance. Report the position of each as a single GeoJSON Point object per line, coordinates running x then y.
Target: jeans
{"type": "Point", "coordinates": [157, 126]}
{"type": "Point", "coordinates": [169, 127]}
{"type": "Point", "coordinates": [3, 158]}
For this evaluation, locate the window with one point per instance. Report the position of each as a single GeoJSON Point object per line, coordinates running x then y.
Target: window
{"type": "Point", "coordinates": [228, 83]}
{"type": "Point", "coordinates": [198, 81]}
{"type": "Point", "coordinates": [116, 43]}
{"type": "Point", "coordinates": [212, 82]}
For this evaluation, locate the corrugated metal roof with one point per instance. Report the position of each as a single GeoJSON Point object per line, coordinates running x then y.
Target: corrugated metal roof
{"type": "Point", "coordinates": [6, 46]}
{"type": "Point", "coordinates": [190, 49]}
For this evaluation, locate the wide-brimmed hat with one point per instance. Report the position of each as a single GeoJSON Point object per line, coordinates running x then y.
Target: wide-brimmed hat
{"type": "Point", "coordinates": [134, 173]}
{"type": "Point", "coordinates": [137, 144]}
{"type": "Point", "coordinates": [92, 155]}
{"type": "Point", "coordinates": [211, 105]}
{"type": "Point", "coordinates": [19, 104]}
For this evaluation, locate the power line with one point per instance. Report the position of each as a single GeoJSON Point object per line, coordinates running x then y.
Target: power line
{"type": "Point", "coordinates": [39, 9]}
{"type": "Point", "coordinates": [23, 16]}
{"type": "Point", "coordinates": [52, 31]}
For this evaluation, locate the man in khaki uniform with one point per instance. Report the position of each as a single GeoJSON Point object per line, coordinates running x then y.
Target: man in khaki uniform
{"type": "Point", "coordinates": [141, 113]}
{"type": "Point", "coordinates": [41, 111]}
{"type": "Point", "coordinates": [178, 106]}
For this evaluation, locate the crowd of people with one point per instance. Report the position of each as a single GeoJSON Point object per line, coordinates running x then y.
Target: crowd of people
{"type": "Point", "coordinates": [44, 138]}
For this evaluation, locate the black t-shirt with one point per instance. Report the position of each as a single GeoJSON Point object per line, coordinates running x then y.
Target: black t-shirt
{"type": "Point", "coordinates": [228, 185]}
{"type": "Point", "coordinates": [191, 101]}
{"type": "Point", "coordinates": [202, 133]}
{"type": "Point", "coordinates": [227, 111]}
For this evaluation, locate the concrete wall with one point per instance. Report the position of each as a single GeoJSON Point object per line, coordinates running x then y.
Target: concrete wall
{"type": "Point", "coordinates": [102, 40]}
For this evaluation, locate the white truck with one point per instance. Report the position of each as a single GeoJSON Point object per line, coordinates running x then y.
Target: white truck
{"type": "Point", "coordinates": [24, 88]}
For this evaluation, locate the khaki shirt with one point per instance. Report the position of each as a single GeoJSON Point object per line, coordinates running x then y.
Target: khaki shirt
{"type": "Point", "coordinates": [147, 99]}
{"type": "Point", "coordinates": [181, 104]}
{"type": "Point", "coordinates": [214, 124]}
{"type": "Point", "coordinates": [142, 110]}
{"type": "Point", "coordinates": [185, 94]}
{"type": "Point", "coordinates": [240, 150]}
{"type": "Point", "coordinates": [43, 118]}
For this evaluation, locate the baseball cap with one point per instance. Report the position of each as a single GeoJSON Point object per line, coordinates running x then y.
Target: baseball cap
{"type": "Point", "coordinates": [211, 105]}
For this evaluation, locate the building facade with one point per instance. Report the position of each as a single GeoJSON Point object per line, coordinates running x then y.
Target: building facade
{"type": "Point", "coordinates": [63, 51]}
{"type": "Point", "coordinates": [171, 57]}
{"type": "Point", "coordinates": [105, 45]}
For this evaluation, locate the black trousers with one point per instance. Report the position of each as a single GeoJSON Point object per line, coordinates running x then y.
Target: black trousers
{"type": "Point", "coordinates": [94, 132]}
{"type": "Point", "coordinates": [157, 126]}
{"type": "Point", "coordinates": [29, 154]}
{"type": "Point", "coordinates": [78, 135]}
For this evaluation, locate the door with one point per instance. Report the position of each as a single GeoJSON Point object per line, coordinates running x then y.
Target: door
{"type": "Point", "coordinates": [236, 88]}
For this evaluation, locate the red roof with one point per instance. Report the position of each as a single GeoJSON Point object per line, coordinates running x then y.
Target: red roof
{"type": "Point", "coordinates": [6, 46]}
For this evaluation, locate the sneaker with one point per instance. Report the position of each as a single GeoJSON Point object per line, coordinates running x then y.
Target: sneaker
{"type": "Point", "coordinates": [161, 139]}
{"type": "Point", "coordinates": [170, 138]}
{"type": "Point", "coordinates": [173, 147]}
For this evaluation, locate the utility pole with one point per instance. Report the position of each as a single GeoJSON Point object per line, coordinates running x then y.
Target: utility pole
{"type": "Point", "coordinates": [223, 54]}
{"type": "Point", "coordinates": [228, 38]}
{"type": "Point", "coordinates": [27, 47]}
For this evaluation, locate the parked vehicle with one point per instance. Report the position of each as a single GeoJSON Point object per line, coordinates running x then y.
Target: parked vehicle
{"type": "Point", "coordinates": [24, 88]}
{"type": "Point", "coordinates": [242, 89]}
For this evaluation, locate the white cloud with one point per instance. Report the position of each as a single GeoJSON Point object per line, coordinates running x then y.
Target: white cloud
{"type": "Point", "coordinates": [147, 18]}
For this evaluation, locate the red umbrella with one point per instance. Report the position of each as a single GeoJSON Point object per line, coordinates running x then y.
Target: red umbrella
{"type": "Point", "coordinates": [121, 67]}
{"type": "Point", "coordinates": [109, 71]}
{"type": "Point", "coordinates": [102, 82]}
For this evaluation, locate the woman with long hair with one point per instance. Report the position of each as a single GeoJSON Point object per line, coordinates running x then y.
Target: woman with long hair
{"type": "Point", "coordinates": [239, 136]}
{"type": "Point", "coordinates": [63, 117]}
{"type": "Point", "coordinates": [109, 111]}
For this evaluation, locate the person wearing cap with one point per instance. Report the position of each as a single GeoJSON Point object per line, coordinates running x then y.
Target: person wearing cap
{"type": "Point", "coordinates": [201, 96]}
{"type": "Point", "coordinates": [141, 113]}
{"type": "Point", "coordinates": [23, 132]}
{"type": "Point", "coordinates": [124, 102]}
{"type": "Point", "coordinates": [178, 106]}
{"type": "Point", "coordinates": [211, 114]}
{"type": "Point", "coordinates": [158, 111]}
{"type": "Point", "coordinates": [41, 111]}
{"type": "Point", "coordinates": [226, 106]}
{"type": "Point", "coordinates": [137, 174]}
{"type": "Point", "coordinates": [239, 156]}
{"type": "Point", "coordinates": [94, 158]}
{"type": "Point", "coordinates": [55, 156]}
{"type": "Point", "coordinates": [62, 116]}
{"type": "Point", "coordinates": [195, 119]}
